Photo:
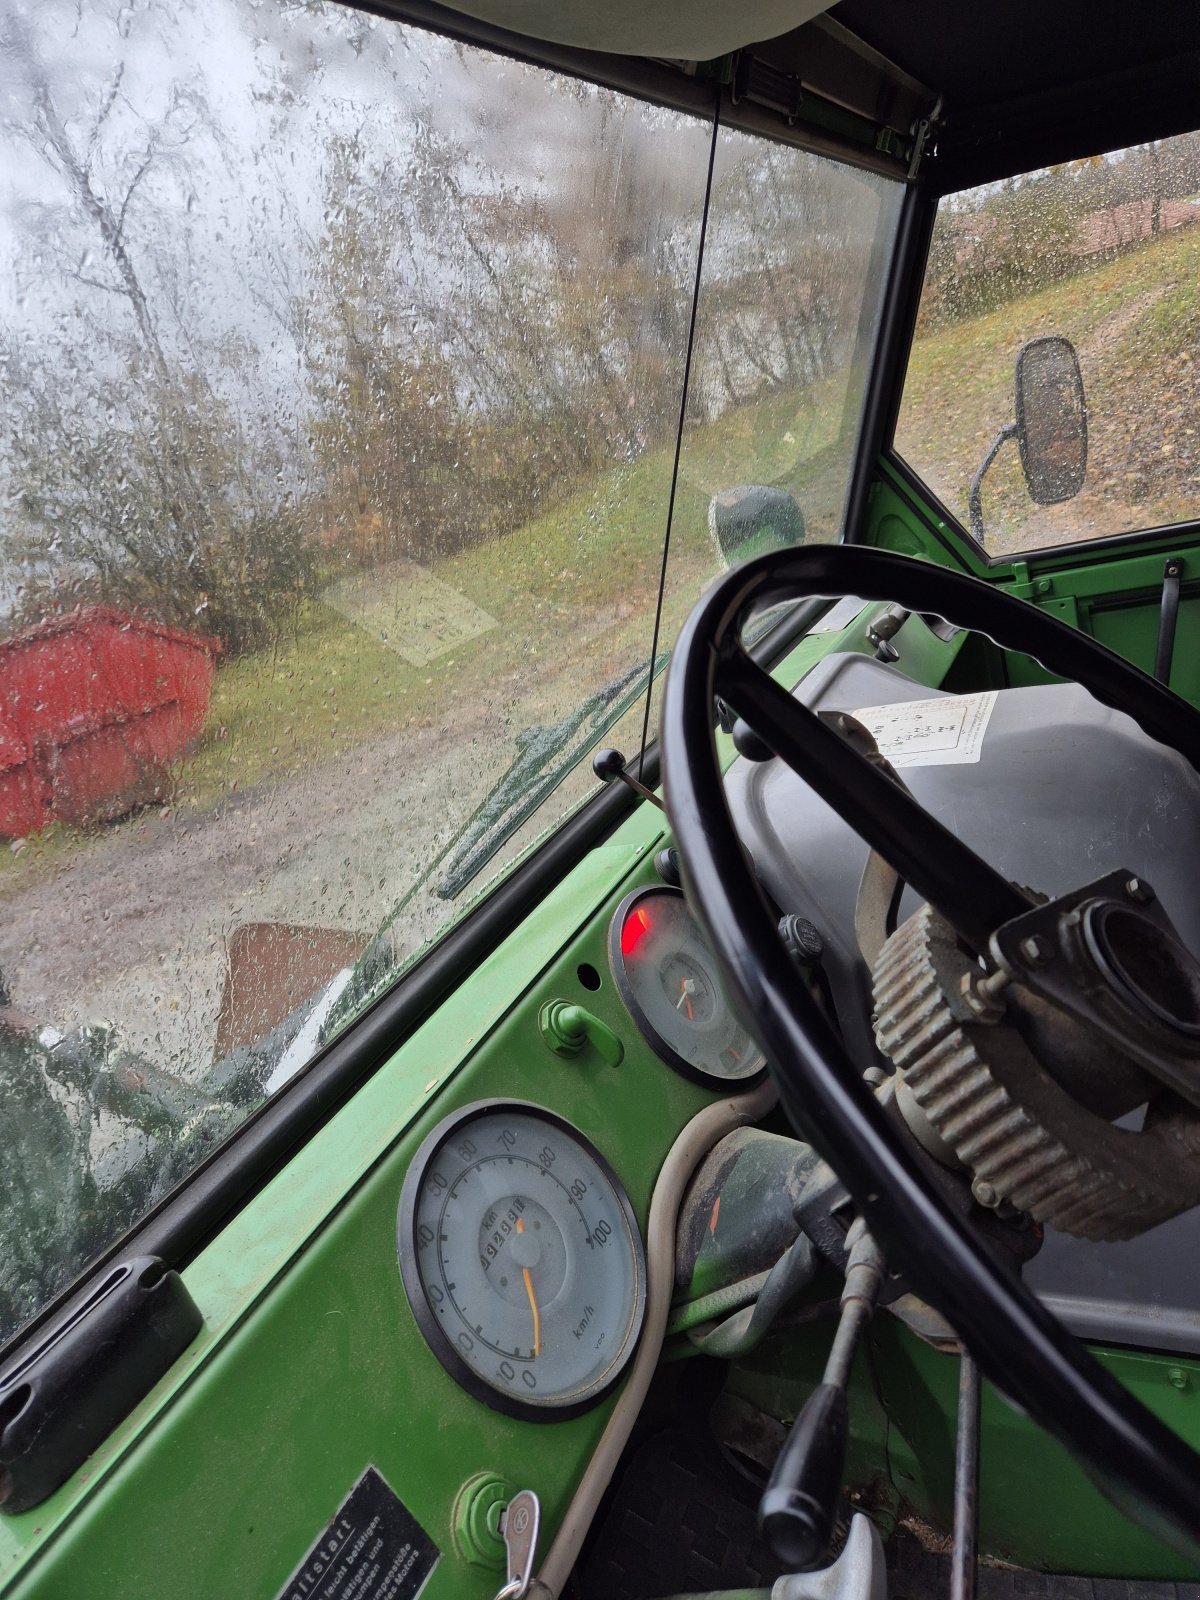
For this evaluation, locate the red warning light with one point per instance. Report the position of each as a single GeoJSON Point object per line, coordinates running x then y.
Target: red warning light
{"type": "Point", "coordinates": [637, 926]}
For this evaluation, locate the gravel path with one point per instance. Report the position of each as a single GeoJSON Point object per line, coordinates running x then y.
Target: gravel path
{"type": "Point", "coordinates": [131, 928]}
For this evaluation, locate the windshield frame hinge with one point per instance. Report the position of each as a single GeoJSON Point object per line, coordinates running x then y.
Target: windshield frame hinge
{"type": "Point", "coordinates": [922, 129]}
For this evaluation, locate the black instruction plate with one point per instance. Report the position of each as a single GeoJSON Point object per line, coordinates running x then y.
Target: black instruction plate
{"type": "Point", "coordinates": [373, 1549]}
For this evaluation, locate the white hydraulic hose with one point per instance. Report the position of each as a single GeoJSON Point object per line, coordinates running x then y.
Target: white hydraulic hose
{"type": "Point", "coordinates": [684, 1156]}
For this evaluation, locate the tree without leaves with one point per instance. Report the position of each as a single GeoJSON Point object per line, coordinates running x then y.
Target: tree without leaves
{"type": "Point", "coordinates": [136, 484]}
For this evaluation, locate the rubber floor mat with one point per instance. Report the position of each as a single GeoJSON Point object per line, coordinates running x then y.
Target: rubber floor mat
{"type": "Point", "coordinates": [680, 1520]}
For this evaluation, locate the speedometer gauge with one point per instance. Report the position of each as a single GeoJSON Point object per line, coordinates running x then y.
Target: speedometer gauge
{"type": "Point", "coordinates": [522, 1260]}
{"type": "Point", "coordinates": [667, 975]}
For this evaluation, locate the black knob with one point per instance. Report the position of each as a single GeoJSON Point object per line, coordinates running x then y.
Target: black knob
{"type": "Point", "coordinates": [797, 1510]}
{"type": "Point", "coordinates": [666, 864]}
{"type": "Point", "coordinates": [886, 624]}
{"type": "Point", "coordinates": [608, 764]}
{"type": "Point", "coordinates": [804, 942]}
{"type": "Point", "coordinates": [747, 743]}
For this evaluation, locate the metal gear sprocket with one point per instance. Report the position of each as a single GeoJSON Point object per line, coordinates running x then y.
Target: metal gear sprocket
{"type": "Point", "coordinates": [1024, 1137]}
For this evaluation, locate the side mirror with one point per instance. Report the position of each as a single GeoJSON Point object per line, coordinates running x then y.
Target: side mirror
{"type": "Point", "coordinates": [1051, 419]}
{"type": "Point", "coordinates": [751, 519]}
{"type": "Point", "coordinates": [1050, 427]}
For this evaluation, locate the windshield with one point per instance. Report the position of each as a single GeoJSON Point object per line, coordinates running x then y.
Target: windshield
{"type": "Point", "coordinates": [342, 367]}
{"type": "Point", "coordinates": [1104, 253]}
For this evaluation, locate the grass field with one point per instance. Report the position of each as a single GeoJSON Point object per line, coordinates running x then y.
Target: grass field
{"type": "Point", "coordinates": [571, 595]}
{"type": "Point", "coordinates": [1135, 321]}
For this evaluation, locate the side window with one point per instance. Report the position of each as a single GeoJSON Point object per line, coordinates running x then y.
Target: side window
{"type": "Point", "coordinates": [1104, 253]}
{"type": "Point", "coordinates": [341, 372]}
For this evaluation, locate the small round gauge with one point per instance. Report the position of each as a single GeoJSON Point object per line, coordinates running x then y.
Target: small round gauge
{"type": "Point", "coordinates": [522, 1260]}
{"type": "Point", "coordinates": [667, 975]}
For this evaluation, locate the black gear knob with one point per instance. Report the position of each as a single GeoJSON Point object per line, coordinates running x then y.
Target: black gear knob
{"type": "Point", "coordinates": [797, 1510]}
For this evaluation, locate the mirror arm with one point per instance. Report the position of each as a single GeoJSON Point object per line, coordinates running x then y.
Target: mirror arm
{"type": "Point", "coordinates": [975, 493]}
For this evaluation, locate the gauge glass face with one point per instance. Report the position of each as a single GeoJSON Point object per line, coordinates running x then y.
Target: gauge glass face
{"type": "Point", "coordinates": [668, 978]}
{"type": "Point", "coordinates": [521, 1259]}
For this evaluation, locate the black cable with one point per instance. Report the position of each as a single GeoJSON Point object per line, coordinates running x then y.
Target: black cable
{"type": "Point", "coordinates": [683, 400]}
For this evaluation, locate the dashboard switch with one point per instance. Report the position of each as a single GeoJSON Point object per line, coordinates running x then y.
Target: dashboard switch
{"type": "Point", "coordinates": [567, 1028]}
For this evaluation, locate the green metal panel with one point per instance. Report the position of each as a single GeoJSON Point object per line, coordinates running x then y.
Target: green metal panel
{"type": "Point", "coordinates": [328, 1373]}
{"type": "Point", "coordinates": [1037, 1507]}
{"type": "Point", "coordinates": [1111, 590]}
{"type": "Point", "coordinates": [309, 1366]}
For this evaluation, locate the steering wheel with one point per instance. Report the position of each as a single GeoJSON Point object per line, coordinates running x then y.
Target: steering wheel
{"type": "Point", "coordinates": [1027, 1354]}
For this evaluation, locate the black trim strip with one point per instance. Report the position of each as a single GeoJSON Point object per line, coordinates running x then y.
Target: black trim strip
{"type": "Point", "coordinates": [884, 384]}
{"type": "Point", "coordinates": [1097, 551]}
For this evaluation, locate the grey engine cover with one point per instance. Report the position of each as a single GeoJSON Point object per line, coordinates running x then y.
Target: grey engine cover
{"type": "Point", "coordinates": [1063, 791]}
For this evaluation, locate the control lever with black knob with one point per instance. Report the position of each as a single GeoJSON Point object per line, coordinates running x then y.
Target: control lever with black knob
{"type": "Point", "coordinates": [800, 1502]}
{"type": "Point", "coordinates": [610, 764]}
{"type": "Point", "coordinates": [882, 629]}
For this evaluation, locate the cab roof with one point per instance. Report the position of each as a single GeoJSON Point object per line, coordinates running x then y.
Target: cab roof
{"type": "Point", "coordinates": [1028, 83]}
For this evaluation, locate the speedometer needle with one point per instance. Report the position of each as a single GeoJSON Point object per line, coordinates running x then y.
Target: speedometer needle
{"type": "Point", "coordinates": [533, 1305]}
{"type": "Point", "coordinates": [685, 997]}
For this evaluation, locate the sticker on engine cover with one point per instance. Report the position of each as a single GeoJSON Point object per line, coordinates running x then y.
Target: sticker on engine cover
{"type": "Point", "coordinates": [374, 1549]}
{"type": "Point", "coordinates": [930, 733]}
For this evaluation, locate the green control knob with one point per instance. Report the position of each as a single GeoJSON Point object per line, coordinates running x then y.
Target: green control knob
{"type": "Point", "coordinates": [567, 1028]}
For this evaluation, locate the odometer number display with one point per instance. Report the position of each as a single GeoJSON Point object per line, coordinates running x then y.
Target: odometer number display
{"type": "Point", "coordinates": [521, 1259]}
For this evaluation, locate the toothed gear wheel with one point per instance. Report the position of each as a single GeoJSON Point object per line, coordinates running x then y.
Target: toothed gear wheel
{"type": "Point", "coordinates": [1006, 1119]}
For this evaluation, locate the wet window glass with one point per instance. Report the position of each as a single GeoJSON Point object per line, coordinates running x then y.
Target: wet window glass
{"type": "Point", "coordinates": [796, 251]}
{"type": "Point", "coordinates": [1091, 269]}
{"type": "Point", "coordinates": [341, 371]}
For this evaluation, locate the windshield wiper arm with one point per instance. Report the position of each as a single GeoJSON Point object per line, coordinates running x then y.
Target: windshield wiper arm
{"type": "Point", "coordinates": [546, 753]}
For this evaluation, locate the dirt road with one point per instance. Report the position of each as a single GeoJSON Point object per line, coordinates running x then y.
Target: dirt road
{"type": "Point", "coordinates": [131, 928]}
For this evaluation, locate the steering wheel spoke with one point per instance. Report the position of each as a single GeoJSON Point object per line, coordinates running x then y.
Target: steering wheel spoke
{"type": "Point", "coordinates": [970, 894]}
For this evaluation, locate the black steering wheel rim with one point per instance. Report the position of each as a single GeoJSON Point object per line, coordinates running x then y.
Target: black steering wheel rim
{"type": "Point", "coordinates": [1027, 1354]}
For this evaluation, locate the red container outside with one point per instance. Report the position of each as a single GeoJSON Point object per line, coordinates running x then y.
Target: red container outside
{"type": "Point", "coordinates": [94, 707]}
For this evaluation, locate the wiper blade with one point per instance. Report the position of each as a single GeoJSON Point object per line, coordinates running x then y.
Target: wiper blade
{"type": "Point", "coordinates": [546, 754]}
